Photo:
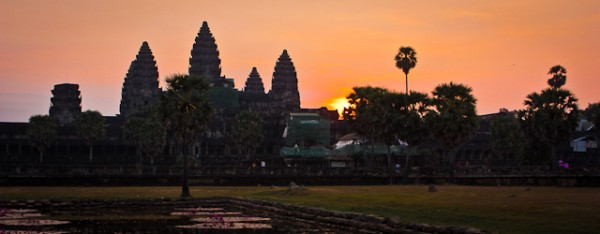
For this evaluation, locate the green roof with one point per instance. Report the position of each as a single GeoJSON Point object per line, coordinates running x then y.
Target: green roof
{"type": "Point", "coordinates": [357, 150]}
{"type": "Point", "coordinates": [315, 152]}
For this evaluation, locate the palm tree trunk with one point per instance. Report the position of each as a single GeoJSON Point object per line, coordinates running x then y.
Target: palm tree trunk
{"type": "Point", "coordinates": [452, 160]}
{"type": "Point", "coordinates": [405, 176]}
{"type": "Point", "coordinates": [185, 186]}
{"type": "Point", "coordinates": [389, 164]}
{"type": "Point", "coordinates": [91, 150]}
{"type": "Point", "coordinates": [406, 83]}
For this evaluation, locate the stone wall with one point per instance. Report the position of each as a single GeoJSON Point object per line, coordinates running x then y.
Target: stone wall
{"type": "Point", "coordinates": [347, 221]}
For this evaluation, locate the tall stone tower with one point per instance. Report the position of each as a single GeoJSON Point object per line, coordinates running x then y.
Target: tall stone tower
{"type": "Point", "coordinates": [284, 87]}
{"type": "Point", "coordinates": [140, 88]}
{"type": "Point", "coordinates": [66, 103]}
{"type": "Point", "coordinates": [205, 59]}
{"type": "Point", "coordinates": [254, 83]}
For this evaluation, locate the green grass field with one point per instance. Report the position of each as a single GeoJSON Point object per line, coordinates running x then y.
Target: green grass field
{"type": "Point", "coordinates": [496, 209]}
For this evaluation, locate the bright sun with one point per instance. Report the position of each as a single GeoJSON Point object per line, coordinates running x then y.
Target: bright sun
{"type": "Point", "coordinates": [339, 104]}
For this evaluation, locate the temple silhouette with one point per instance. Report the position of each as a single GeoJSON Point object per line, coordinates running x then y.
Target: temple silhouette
{"type": "Point", "coordinates": [295, 138]}
{"type": "Point", "coordinates": [141, 90]}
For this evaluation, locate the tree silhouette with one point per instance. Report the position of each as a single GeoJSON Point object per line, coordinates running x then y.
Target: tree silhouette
{"type": "Point", "coordinates": [508, 139]}
{"type": "Point", "coordinates": [454, 120]}
{"type": "Point", "coordinates": [386, 123]}
{"type": "Point", "coordinates": [247, 132]}
{"type": "Point", "coordinates": [186, 109]}
{"type": "Point", "coordinates": [559, 77]}
{"type": "Point", "coordinates": [90, 127]}
{"type": "Point", "coordinates": [592, 113]}
{"type": "Point", "coordinates": [405, 60]}
{"type": "Point", "coordinates": [549, 119]}
{"type": "Point", "coordinates": [145, 131]}
{"type": "Point", "coordinates": [360, 114]}
{"type": "Point", "coordinates": [413, 128]}
{"type": "Point", "coordinates": [41, 130]}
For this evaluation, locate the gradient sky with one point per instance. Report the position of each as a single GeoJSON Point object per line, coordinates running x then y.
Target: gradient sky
{"type": "Point", "coordinates": [502, 49]}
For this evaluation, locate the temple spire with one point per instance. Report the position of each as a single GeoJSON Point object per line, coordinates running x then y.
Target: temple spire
{"type": "Point", "coordinates": [254, 82]}
{"type": "Point", "coordinates": [140, 88]}
{"type": "Point", "coordinates": [285, 83]}
{"type": "Point", "coordinates": [204, 60]}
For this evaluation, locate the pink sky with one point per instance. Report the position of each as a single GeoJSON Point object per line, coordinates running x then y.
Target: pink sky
{"type": "Point", "coordinates": [502, 49]}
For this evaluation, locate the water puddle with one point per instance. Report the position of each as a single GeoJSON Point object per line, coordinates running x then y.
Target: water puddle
{"type": "Point", "coordinates": [140, 217]}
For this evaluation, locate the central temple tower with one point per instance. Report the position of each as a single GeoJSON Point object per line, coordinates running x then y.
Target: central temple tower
{"type": "Point", "coordinates": [205, 61]}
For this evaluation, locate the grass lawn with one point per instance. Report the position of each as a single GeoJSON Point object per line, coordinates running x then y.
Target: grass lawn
{"type": "Point", "coordinates": [496, 209]}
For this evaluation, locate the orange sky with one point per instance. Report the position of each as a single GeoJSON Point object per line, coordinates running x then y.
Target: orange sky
{"type": "Point", "coordinates": [502, 49]}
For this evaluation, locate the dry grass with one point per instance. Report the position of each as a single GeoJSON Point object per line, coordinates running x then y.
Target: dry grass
{"type": "Point", "coordinates": [497, 209]}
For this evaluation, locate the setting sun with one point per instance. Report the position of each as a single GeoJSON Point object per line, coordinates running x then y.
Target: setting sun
{"type": "Point", "coordinates": [339, 104]}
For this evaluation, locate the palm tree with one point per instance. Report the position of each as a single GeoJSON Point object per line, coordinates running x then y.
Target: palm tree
{"type": "Point", "coordinates": [549, 119]}
{"type": "Point", "coordinates": [455, 119]}
{"type": "Point", "coordinates": [559, 77]}
{"type": "Point", "coordinates": [90, 127]}
{"type": "Point", "coordinates": [185, 108]}
{"type": "Point", "coordinates": [406, 59]}
{"type": "Point", "coordinates": [41, 130]}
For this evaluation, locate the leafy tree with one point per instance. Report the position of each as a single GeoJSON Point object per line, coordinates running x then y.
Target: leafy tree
{"type": "Point", "coordinates": [559, 77]}
{"type": "Point", "coordinates": [186, 109]}
{"type": "Point", "coordinates": [41, 130]}
{"type": "Point", "coordinates": [386, 116]}
{"type": "Point", "coordinates": [90, 127]}
{"type": "Point", "coordinates": [508, 139]}
{"type": "Point", "coordinates": [592, 113]}
{"type": "Point", "coordinates": [386, 121]}
{"type": "Point", "coordinates": [145, 130]}
{"type": "Point", "coordinates": [413, 129]}
{"type": "Point", "coordinates": [248, 132]}
{"type": "Point", "coordinates": [360, 115]}
{"type": "Point", "coordinates": [455, 119]}
{"type": "Point", "coordinates": [406, 59]}
{"type": "Point", "coordinates": [549, 119]}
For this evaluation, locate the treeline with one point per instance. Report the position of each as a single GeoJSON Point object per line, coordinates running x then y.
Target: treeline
{"type": "Point", "coordinates": [527, 137]}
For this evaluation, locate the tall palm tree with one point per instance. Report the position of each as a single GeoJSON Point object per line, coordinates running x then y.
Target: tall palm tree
{"type": "Point", "coordinates": [559, 77]}
{"type": "Point", "coordinates": [455, 119]}
{"type": "Point", "coordinates": [90, 127]}
{"type": "Point", "coordinates": [41, 130]}
{"type": "Point", "coordinates": [406, 59]}
{"type": "Point", "coordinates": [185, 108]}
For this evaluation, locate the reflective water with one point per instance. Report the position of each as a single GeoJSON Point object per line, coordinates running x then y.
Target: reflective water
{"type": "Point", "coordinates": [144, 218]}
